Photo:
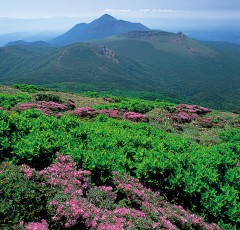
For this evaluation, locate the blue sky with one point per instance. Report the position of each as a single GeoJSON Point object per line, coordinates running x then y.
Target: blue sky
{"type": "Point", "coordinates": [172, 15]}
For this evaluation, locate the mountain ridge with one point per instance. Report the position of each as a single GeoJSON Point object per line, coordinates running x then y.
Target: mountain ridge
{"type": "Point", "coordinates": [146, 62]}
{"type": "Point", "coordinates": [22, 42]}
{"type": "Point", "coordinates": [102, 27]}
{"type": "Point", "coordinates": [151, 62]}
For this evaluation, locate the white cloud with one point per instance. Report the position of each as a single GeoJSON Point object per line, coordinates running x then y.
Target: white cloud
{"type": "Point", "coordinates": [142, 10]}
{"type": "Point", "coordinates": [112, 10]}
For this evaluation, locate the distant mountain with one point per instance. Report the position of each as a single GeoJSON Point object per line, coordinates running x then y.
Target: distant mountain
{"type": "Point", "coordinates": [21, 42]}
{"type": "Point", "coordinates": [230, 35]}
{"type": "Point", "coordinates": [153, 63]}
{"type": "Point", "coordinates": [102, 27]}
{"type": "Point", "coordinates": [26, 36]}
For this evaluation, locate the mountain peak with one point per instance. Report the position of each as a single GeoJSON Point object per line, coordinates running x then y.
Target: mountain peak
{"type": "Point", "coordinates": [102, 27]}
{"type": "Point", "coordinates": [107, 17]}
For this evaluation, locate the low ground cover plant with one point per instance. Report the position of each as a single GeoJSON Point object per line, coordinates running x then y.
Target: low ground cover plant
{"type": "Point", "coordinates": [133, 104]}
{"type": "Point", "coordinates": [75, 202]}
{"type": "Point", "coordinates": [8, 100]}
{"type": "Point", "coordinates": [187, 172]}
{"type": "Point", "coordinates": [203, 179]}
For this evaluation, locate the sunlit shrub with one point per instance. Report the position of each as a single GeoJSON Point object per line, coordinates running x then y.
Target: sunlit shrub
{"type": "Point", "coordinates": [28, 88]}
{"type": "Point", "coordinates": [9, 100]}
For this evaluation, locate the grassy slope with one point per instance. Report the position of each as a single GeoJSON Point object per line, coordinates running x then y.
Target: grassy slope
{"type": "Point", "coordinates": [192, 130]}
{"type": "Point", "coordinates": [159, 64]}
{"type": "Point", "coordinates": [185, 68]}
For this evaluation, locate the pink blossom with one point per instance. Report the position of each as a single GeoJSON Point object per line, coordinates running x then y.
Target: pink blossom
{"type": "Point", "coordinates": [43, 225]}
{"type": "Point", "coordinates": [84, 112]}
{"type": "Point", "coordinates": [132, 116]}
{"type": "Point", "coordinates": [21, 222]}
{"type": "Point", "coordinates": [28, 172]}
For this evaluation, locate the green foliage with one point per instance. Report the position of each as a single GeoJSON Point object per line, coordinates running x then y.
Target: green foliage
{"type": "Point", "coordinates": [134, 104]}
{"type": "Point", "coordinates": [91, 94]}
{"type": "Point", "coordinates": [47, 97]}
{"type": "Point", "coordinates": [101, 199]}
{"type": "Point", "coordinates": [28, 88]}
{"type": "Point", "coordinates": [205, 178]}
{"type": "Point", "coordinates": [232, 135]}
{"type": "Point", "coordinates": [8, 100]}
{"type": "Point", "coordinates": [21, 199]}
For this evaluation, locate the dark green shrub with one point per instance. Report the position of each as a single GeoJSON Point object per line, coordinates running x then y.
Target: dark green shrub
{"type": "Point", "coordinates": [6, 127]}
{"type": "Point", "coordinates": [48, 97]}
{"type": "Point", "coordinates": [101, 198]}
{"type": "Point", "coordinates": [21, 199]}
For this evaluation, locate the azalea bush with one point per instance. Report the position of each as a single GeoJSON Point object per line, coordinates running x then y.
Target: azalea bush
{"type": "Point", "coordinates": [126, 204]}
{"type": "Point", "coordinates": [132, 116]}
{"type": "Point", "coordinates": [46, 107]}
{"type": "Point", "coordinates": [114, 113]}
{"type": "Point", "coordinates": [184, 113]}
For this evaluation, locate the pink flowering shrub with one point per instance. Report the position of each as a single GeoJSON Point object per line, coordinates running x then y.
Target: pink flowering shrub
{"type": "Point", "coordinates": [72, 104]}
{"type": "Point", "coordinates": [28, 172]}
{"type": "Point", "coordinates": [43, 225]}
{"type": "Point", "coordinates": [49, 107]}
{"type": "Point", "coordinates": [2, 108]}
{"type": "Point", "coordinates": [110, 113]}
{"type": "Point", "coordinates": [132, 116]}
{"type": "Point", "coordinates": [84, 112]}
{"type": "Point", "coordinates": [192, 109]}
{"type": "Point", "coordinates": [127, 205]}
{"type": "Point", "coordinates": [162, 213]}
{"type": "Point", "coordinates": [25, 106]}
{"type": "Point", "coordinates": [63, 174]}
{"type": "Point", "coordinates": [114, 113]}
{"type": "Point", "coordinates": [186, 113]}
{"type": "Point", "coordinates": [46, 107]}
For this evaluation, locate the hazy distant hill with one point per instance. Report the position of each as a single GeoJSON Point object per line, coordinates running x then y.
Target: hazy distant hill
{"type": "Point", "coordinates": [151, 62]}
{"type": "Point", "coordinates": [102, 27]}
{"type": "Point", "coordinates": [26, 36]}
{"type": "Point", "coordinates": [21, 42]}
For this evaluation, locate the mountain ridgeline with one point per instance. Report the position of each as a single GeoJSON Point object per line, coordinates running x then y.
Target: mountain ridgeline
{"type": "Point", "coordinates": [128, 59]}
{"type": "Point", "coordinates": [103, 27]}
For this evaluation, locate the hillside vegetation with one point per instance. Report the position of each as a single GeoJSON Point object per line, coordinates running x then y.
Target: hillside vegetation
{"type": "Point", "coordinates": [146, 64]}
{"type": "Point", "coordinates": [115, 155]}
